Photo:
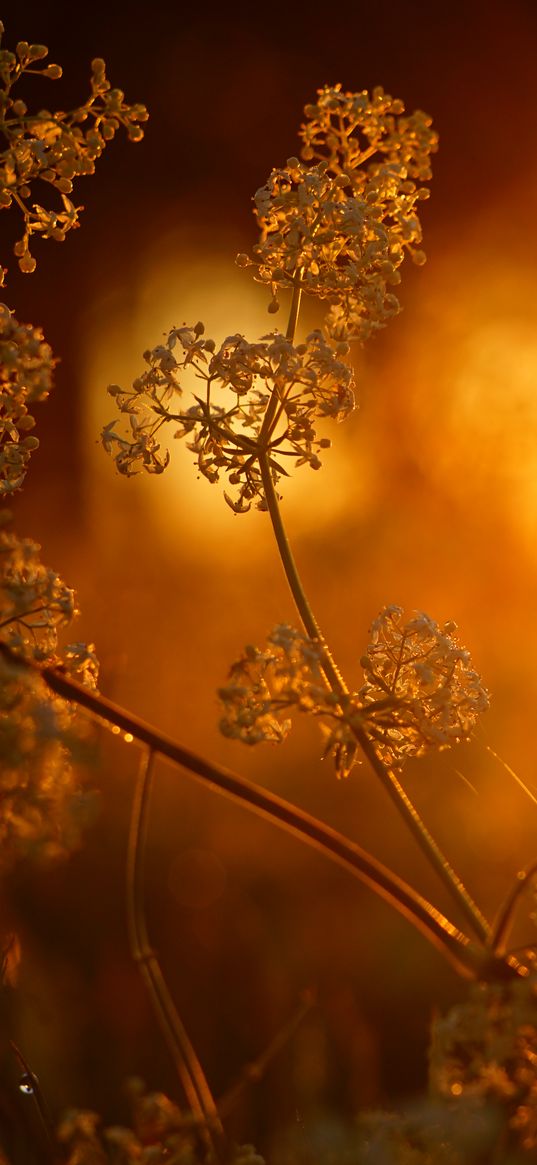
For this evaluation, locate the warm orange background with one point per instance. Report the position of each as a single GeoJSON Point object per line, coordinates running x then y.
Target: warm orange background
{"type": "Point", "coordinates": [428, 499]}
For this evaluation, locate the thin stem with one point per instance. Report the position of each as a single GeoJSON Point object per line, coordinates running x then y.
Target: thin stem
{"type": "Point", "coordinates": [270, 412]}
{"type": "Point", "coordinates": [294, 311]}
{"type": "Point", "coordinates": [502, 924]}
{"type": "Point", "coordinates": [425, 840]}
{"type": "Point", "coordinates": [191, 1075]}
{"type": "Point", "coordinates": [255, 1071]}
{"type": "Point", "coordinates": [335, 680]}
{"type": "Point", "coordinates": [293, 578]}
{"type": "Point", "coordinates": [452, 943]}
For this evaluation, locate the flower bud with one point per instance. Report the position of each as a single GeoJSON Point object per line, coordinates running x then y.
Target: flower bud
{"type": "Point", "coordinates": [36, 52]}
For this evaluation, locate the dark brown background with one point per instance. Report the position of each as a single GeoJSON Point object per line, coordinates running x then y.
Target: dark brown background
{"type": "Point", "coordinates": [436, 509]}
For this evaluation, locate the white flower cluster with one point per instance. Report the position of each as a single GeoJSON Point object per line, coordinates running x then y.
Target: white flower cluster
{"type": "Point", "coordinates": [304, 383]}
{"type": "Point", "coordinates": [421, 692]}
{"type": "Point", "coordinates": [339, 222]}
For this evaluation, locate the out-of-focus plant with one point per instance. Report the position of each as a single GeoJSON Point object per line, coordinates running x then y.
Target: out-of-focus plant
{"type": "Point", "coordinates": [53, 148]}
{"type": "Point", "coordinates": [42, 741]}
{"type": "Point", "coordinates": [26, 370]}
{"type": "Point", "coordinates": [335, 224]}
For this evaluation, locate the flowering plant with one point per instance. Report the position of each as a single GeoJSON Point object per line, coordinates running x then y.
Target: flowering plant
{"type": "Point", "coordinates": [336, 225]}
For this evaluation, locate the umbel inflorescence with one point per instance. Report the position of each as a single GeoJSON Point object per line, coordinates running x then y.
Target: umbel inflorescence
{"type": "Point", "coordinates": [308, 381]}
{"type": "Point", "coordinates": [53, 148]}
{"type": "Point", "coordinates": [342, 218]}
{"type": "Point", "coordinates": [420, 692]}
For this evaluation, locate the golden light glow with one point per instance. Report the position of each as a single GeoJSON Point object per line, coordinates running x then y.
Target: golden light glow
{"type": "Point", "coordinates": [173, 290]}
{"type": "Point", "coordinates": [466, 383]}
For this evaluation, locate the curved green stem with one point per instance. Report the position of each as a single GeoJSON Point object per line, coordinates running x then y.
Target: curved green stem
{"type": "Point", "coordinates": [190, 1072]}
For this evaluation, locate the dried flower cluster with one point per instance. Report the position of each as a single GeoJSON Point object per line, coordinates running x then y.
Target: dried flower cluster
{"type": "Point", "coordinates": [302, 384]}
{"type": "Point", "coordinates": [161, 1133]}
{"type": "Point", "coordinates": [486, 1050]}
{"type": "Point", "coordinates": [43, 740]}
{"type": "Point", "coordinates": [54, 148]}
{"type": "Point", "coordinates": [420, 692]}
{"type": "Point", "coordinates": [26, 368]}
{"type": "Point", "coordinates": [339, 222]}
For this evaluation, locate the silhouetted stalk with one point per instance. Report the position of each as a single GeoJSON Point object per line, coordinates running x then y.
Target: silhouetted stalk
{"type": "Point", "coordinates": [189, 1069]}
{"type": "Point", "coordinates": [255, 1071]}
{"type": "Point", "coordinates": [468, 958]}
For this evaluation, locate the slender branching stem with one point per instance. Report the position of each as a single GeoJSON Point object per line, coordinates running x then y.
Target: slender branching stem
{"type": "Point", "coordinates": [389, 780]}
{"type": "Point", "coordinates": [469, 959]}
{"type": "Point", "coordinates": [189, 1069]}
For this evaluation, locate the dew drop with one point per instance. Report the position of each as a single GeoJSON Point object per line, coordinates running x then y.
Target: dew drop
{"type": "Point", "coordinates": [116, 730]}
{"type": "Point", "coordinates": [26, 1084]}
{"type": "Point", "coordinates": [128, 738]}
